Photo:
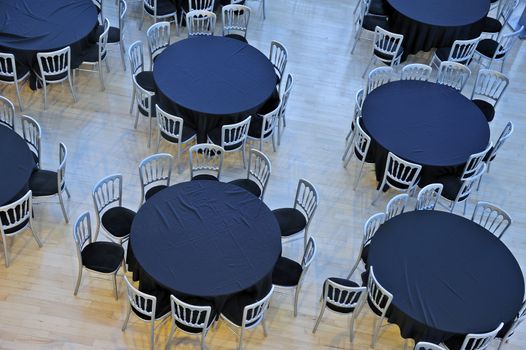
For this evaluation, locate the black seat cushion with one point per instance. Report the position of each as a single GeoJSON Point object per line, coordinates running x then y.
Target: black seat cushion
{"type": "Point", "coordinates": [290, 220]}
{"type": "Point", "coordinates": [103, 257]}
{"type": "Point", "coordinates": [50, 77]}
{"type": "Point", "coordinates": [145, 80]}
{"type": "Point", "coordinates": [153, 110]}
{"type": "Point", "coordinates": [455, 343]}
{"type": "Point", "coordinates": [162, 308]}
{"type": "Point", "coordinates": [376, 7]}
{"type": "Point", "coordinates": [343, 282]}
{"type": "Point", "coordinates": [189, 329]}
{"type": "Point", "coordinates": [486, 108]}
{"type": "Point", "coordinates": [452, 185]}
{"type": "Point", "coordinates": [256, 123]}
{"type": "Point", "coordinates": [91, 54]}
{"type": "Point", "coordinates": [153, 191]}
{"type": "Point", "coordinates": [487, 47]}
{"type": "Point", "coordinates": [43, 183]}
{"type": "Point", "coordinates": [370, 22]}
{"type": "Point", "coordinates": [491, 25]}
{"type": "Point", "coordinates": [14, 229]}
{"type": "Point", "coordinates": [188, 133]}
{"type": "Point", "coordinates": [164, 7]}
{"type": "Point", "coordinates": [205, 177]}
{"type": "Point", "coordinates": [118, 221]}
{"type": "Point", "coordinates": [388, 57]}
{"type": "Point", "coordinates": [286, 272]}
{"type": "Point", "coordinates": [375, 309]}
{"type": "Point", "coordinates": [249, 185]}
{"type": "Point", "coordinates": [234, 306]}
{"type": "Point", "coordinates": [21, 71]}
{"type": "Point", "coordinates": [114, 35]}
{"type": "Point", "coordinates": [215, 136]}
{"type": "Point", "coordinates": [237, 37]}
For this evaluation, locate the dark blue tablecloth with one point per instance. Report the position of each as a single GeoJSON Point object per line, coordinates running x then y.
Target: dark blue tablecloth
{"type": "Point", "coordinates": [213, 80]}
{"type": "Point", "coordinates": [425, 123]}
{"type": "Point", "coordinates": [448, 275]}
{"type": "Point", "coordinates": [16, 166]}
{"type": "Point", "coordinates": [428, 24]}
{"type": "Point", "coordinates": [207, 239]}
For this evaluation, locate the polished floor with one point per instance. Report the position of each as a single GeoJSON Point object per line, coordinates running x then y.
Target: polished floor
{"type": "Point", "coordinates": [37, 306]}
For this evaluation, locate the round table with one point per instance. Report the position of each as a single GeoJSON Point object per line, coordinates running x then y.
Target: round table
{"type": "Point", "coordinates": [428, 24]}
{"type": "Point", "coordinates": [31, 26]}
{"type": "Point", "coordinates": [448, 275]}
{"type": "Point", "coordinates": [212, 81]}
{"type": "Point", "coordinates": [17, 165]}
{"type": "Point", "coordinates": [425, 123]}
{"type": "Point", "coordinates": [206, 239]}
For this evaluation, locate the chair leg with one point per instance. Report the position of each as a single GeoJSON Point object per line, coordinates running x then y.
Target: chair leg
{"type": "Point", "coordinates": [240, 346]}
{"type": "Point", "coordinates": [18, 95]}
{"type": "Point", "coordinates": [356, 39]}
{"type": "Point", "coordinates": [353, 316]}
{"type": "Point", "coordinates": [152, 334]}
{"type": "Point", "coordinates": [45, 94]}
{"type": "Point", "coordinates": [79, 278]}
{"type": "Point", "coordinates": [359, 175]}
{"type": "Point", "coordinates": [465, 207]}
{"type": "Point", "coordinates": [70, 81]}
{"type": "Point", "coordinates": [319, 318]}
{"type": "Point", "coordinates": [136, 118]}
{"type": "Point", "coordinates": [115, 286]}
{"type": "Point", "coordinates": [170, 336]}
{"type": "Point", "coordinates": [37, 239]}
{"type": "Point", "coordinates": [67, 191]}
{"type": "Point", "coordinates": [263, 6]}
{"type": "Point", "coordinates": [132, 104]}
{"type": "Point", "coordinates": [61, 201]}
{"type": "Point", "coordinates": [123, 54]}
{"type": "Point", "coordinates": [355, 265]}
{"type": "Point", "coordinates": [264, 325]}
{"type": "Point", "coordinates": [244, 156]}
{"type": "Point", "coordinates": [368, 65]}
{"type": "Point", "coordinates": [378, 193]}
{"type": "Point", "coordinates": [347, 152]}
{"type": "Point", "coordinates": [6, 252]}
{"type": "Point", "coordinates": [127, 318]}
{"type": "Point", "coordinates": [296, 296]}
{"type": "Point", "coordinates": [101, 77]}
{"type": "Point", "coordinates": [274, 142]}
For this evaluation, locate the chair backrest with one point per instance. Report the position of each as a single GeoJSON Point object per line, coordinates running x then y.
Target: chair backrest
{"type": "Point", "coordinates": [136, 57]}
{"type": "Point", "coordinates": [235, 19]}
{"type": "Point", "coordinates": [259, 169]}
{"type": "Point", "coordinates": [462, 50]}
{"type": "Point", "coordinates": [306, 200]}
{"type": "Point", "coordinates": [270, 121]}
{"type": "Point", "coordinates": [378, 77]}
{"type": "Point", "coordinates": [143, 97]}
{"type": "Point", "coordinates": [61, 171]}
{"type": "Point", "coordinates": [504, 136]}
{"type": "Point", "coordinates": [123, 8]}
{"type": "Point", "coordinates": [362, 141]}
{"type": "Point", "coordinates": [286, 94]}
{"type": "Point", "coordinates": [32, 134]}
{"type": "Point", "coordinates": [254, 313]}
{"type": "Point", "coordinates": [278, 55]}
{"type": "Point", "coordinates": [54, 63]}
{"type": "Point", "coordinates": [521, 316]}
{"type": "Point", "coordinates": [155, 170]}
{"type": "Point", "coordinates": [103, 40]}
{"type": "Point", "coordinates": [170, 124]}
{"type": "Point", "coordinates": [428, 346]}
{"type": "Point", "coordinates": [363, 8]}
{"type": "Point", "coordinates": [158, 36]}
{"type": "Point", "coordinates": [7, 113]}
{"type": "Point", "coordinates": [82, 233]}
{"type": "Point", "coordinates": [98, 5]}
{"type": "Point", "coordinates": [344, 296]}
{"type": "Point", "coordinates": [143, 303]}
{"type": "Point", "coordinates": [371, 226]}
{"type": "Point", "coordinates": [416, 71]}
{"type": "Point", "coordinates": [399, 173]}
{"type": "Point", "coordinates": [196, 317]}
{"type": "Point", "coordinates": [474, 162]}
{"type": "Point", "coordinates": [505, 9]}
{"type": "Point", "coordinates": [200, 22]}
{"type": "Point", "coordinates": [308, 257]}
{"type": "Point", "coordinates": [386, 45]}
{"type": "Point", "coordinates": [107, 192]}
{"type": "Point", "coordinates": [489, 86]}
{"type": "Point", "coordinates": [206, 158]}
{"type": "Point", "coordinates": [492, 218]}
{"type": "Point", "coordinates": [468, 183]}
{"type": "Point", "coordinates": [480, 341]}
{"type": "Point", "coordinates": [235, 135]}
{"type": "Point", "coordinates": [428, 197]}
{"type": "Point", "coordinates": [378, 295]}
{"type": "Point", "coordinates": [506, 43]}
{"type": "Point", "coordinates": [453, 74]}
{"type": "Point", "coordinates": [358, 102]}
{"type": "Point", "coordinates": [16, 214]}
{"type": "Point", "coordinates": [8, 66]}
{"type": "Point", "coordinates": [207, 5]}
{"type": "Point", "coordinates": [396, 205]}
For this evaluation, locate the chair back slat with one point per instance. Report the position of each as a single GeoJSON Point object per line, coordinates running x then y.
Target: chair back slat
{"type": "Point", "coordinates": [82, 232]}
{"type": "Point", "coordinates": [8, 66]}
{"type": "Point", "coordinates": [362, 141]}
{"type": "Point", "coordinates": [7, 113]}
{"type": "Point", "coordinates": [474, 162]}
{"type": "Point", "coordinates": [207, 5]}
{"type": "Point", "coordinates": [107, 191]}
{"type": "Point", "coordinates": [462, 50]}
{"type": "Point", "coordinates": [386, 44]}
{"type": "Point", "coordinates": [206, 158]}
{"type": "Point", "coordinates": [416, 71]}
{"type": "Point", "coordinates": [401, 174]}
{"type": "Point", "coordinates": [371, 226]}
{"type": "Point", "coordinates": [396, 205]}
{"type": "Point", "coordinates": [453, 74]}
{"type": "Point", "coordinates": [428, 197]}
{"type": "Point", "coordinates": [278, 55]}
{"type": "Point", "coordinates": [158, 36]}
{"type": "Point", "coordinates": [136, 57]}
{"type": "Point", "coordinates": [143, 303]}
{"type": "Point", "coordinates": [306, 199]}
{"type": "Point", "coordinates": [200, 23]}
{"type": "Point", "coordinates": [190, 315]}
{"type": "Point", "coordinates": [506, 42]}
{"type": "Point", "coordinates": [235, 19]}
{"type": "Point", "coordinates": [54, 63]}
{"type": "Point", "coordinates": [286, 95]}
{"type": "Point", "coordinates": [32, 134]}
{"type": "Point", "coordinates": [469, 183]}
{"type": "Point", "coordinates": [492, 218]}
{"type": "Point", "coordinates": [378, 77]}
{"type": "Point", "coordinates": [378, 295]}
{"type": "Point", "coordinates": [16, 213]}
{"type": "Point", "coordinates": [344, 296]}
{"type": "Point", "coordinates": [155, 170]}
{"type": "Point", "coordinates": [489, 86]}
{"type": "Point", "coordinates": [169, 124]}
{"type": "Point", "coordinates": [254, 313]}
{"type": "Point", "coordinates": [235, 134]}
{"type": "Point", "coordinates": [259, 169]}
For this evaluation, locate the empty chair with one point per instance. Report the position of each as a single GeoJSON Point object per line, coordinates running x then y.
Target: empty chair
{"type": "Point", "coordinates": [114, 219]}
{"type": "Point", "coordinates": [96, 54]}
{"type": "Point", "coordinates": [473, 341]}
{"type": "Point", "coordinates": [194, 5]}
{"type": "Point", "coordinates": [146, 102]}
{"type": "Point", "coordinates": [378, 77]}
{"type": "Point", "coordinates": [358, 101]}
{"type": "Point", "coordinates": [200, 23]}
{"type": "Point", "coordinates": [521, 316]}
{"type": "Point", "coordinates": [47, 183]}
{"type": "Point", "coordinates": [504, 136]}
{"type": "Point", "coordinates": [490, 50]}
{"type": "Point", "coordinates": [206, 161]}
{"type": "Point", "coordinates": [379, 300]}
{"type": "Point", "coordinates": [294, 222]}
{"type": "Point", "coordinates": [428, 197]}
{"type": "Point", "coordinates": [235, 21]}
{"type": "Point", "coordinates": [32, 134]}
{"type": "Point", "coordinates": [416, 71]}
{"type": "Point", "coordinates": [504, 12]}
{"type": "Point", "coordinates": [387, 48]}
{"type": "Point", "coordinates": [144, 78]}
{"type": "Point", "coordinates": [344, 297]}
{"type": "Point", "coordinates": [487, 91]}
{"type": "Point", "coordinates": [54, 68]}
{"type": "Point", "coordinates": [428, 346]}
{"type": "Point", "coordinates": [492, 218]}
{"type": "Point", "coordinates": [461, 52]}
{"type": "Point", "coordinates": [101, 257]}
{"type": "Point", "coordinates": [191, 319]}
{"type": "Point", "coordinates": [158, 36]}
{"type": "Point", "coordinates": [173, 130]}
{"type": "Point", "coordinates": [263, 127]}
{"type": "Point", "coordinates": [12, 73]}
{"type": "Point", "coordinates": [116, 34]}
{"type": "Point", "coordinates": [163, 10]}
{"type": "Point", "coordinates": [253, 315]}
{"type": "Point", "coordinates": [282, 120]}
{"type": "Point", "coordinates": [258, 174]}
{"type": "Point", "coordinates": [231, 137]}
{"type": "Point", "coordinates": [278, 55]}
{"type": "Point", "coordinates": [453, 74]}
{"type": "Point", "coordinates": [155, 173]}
{"type": "Point", "coordinates": [369, 229]}
{"type": "Point", "coordinates": [399, 174]}
{"type": "Point", "coordinates": [15, 218]}
{"type": "Point", "coordinates": [147, 308]}
{"type": "Point", "coordinates": [7, 113]}
{"type": "Point", "coordinates": [365, 21]}
{"type": "Point", "coordinates": [396, 205]}
{"type": "Point", "coordinates": [359, 147]}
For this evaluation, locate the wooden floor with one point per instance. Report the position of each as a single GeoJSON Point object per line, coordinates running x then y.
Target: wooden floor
{"type": "Point", "coordinates": [37, 306]}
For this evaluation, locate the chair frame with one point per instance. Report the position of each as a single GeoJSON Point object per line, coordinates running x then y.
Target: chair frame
{"type": "Point", "coordinates": [521, 316]}
{"type": "Point", "coordinates": [504, 136]}
{"type": "Point", "coordinates": [105, 193]}
{"type": "Point", "coordinates": [377, 295]}
{"type": "Point", "coordinates": [152, 5]}
{"type": "Point", "coordinates": [490, 85]}
{"type": "Point", "coordinates": [235, 19]}
{"type": "Point", "coordinates": [268, 127]}
{"type": "Point", "coordinates": [203, 161]}
{"type": "Point", "coordinates": [237, 133]}
{"type": "Point", "coordinates": [155, 170]}
{"type": "Point", "coordinates": [278, 56]}
{"type": "Point", "coordinates": [6, 60]}
{"type": "Point", "coordinates": [32, 134]}
{"type": "Point", "coordinates": [416, 71]}
{"type": "Point", "coordinates": [360, 144]}
{"type": "Point", "coordinates": [505, 44]}
{"type": "Point", "coordinates": [7, 113]}
{"type": "Point", "coordinates": [362, 6]}
{"type": "Point", "coordinates": [358, 102]}
{"type": "Point", "coordinates": [464, 191]}
{"type": "Point", "coordinates": [480, 341]}
{"type": "Point", "coordinates": [200, 23]}
{"type": "Point", "coordinates": [171, 125]}
{"type": "Point", "coordinates": [492, 218]}
{"type": "Point", "coordinates": [388, 44]}
{"type": "Point", "coordinates": [102, 57]}
{"type": "Point", "coordinates": [378, 77]}
{"type": "Point", "coordinates": [461, 52]}
{"type": "Point", "coordinates": [428, 197]}
{"type": "Point", "coordinates": [143, 98]}
{"type": "Point", "coordinates": [259, 169]}
{"type": "Point", "coordinates": [123, 8]}
{"type": "Point", "coordinates": [207, 5]}
{"type": "Point", "coordinates": [282, 120]}
{"type": "Point", "coordinates": [158, 38]}
{"type": "Point", "coordinates": [396, 205]}
{"type": "Point", "coordinates": [453, 74]}
{"type": "Point", "coordinates": [136, 58]}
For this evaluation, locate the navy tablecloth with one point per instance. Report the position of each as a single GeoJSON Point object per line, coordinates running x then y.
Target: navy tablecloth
{"type": "Point", "coordinates": [212, 81]}
{"type": "Point", "coordinates": [448, 275]}
{"type": "Point", "coordinates": [425, 123]}
{"type": "Point", "coordinates": [16, 164]}
{"type": "Point", "coordinates": [428, 24]}
{"type": "Point", "coordinates": [206, 239]}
